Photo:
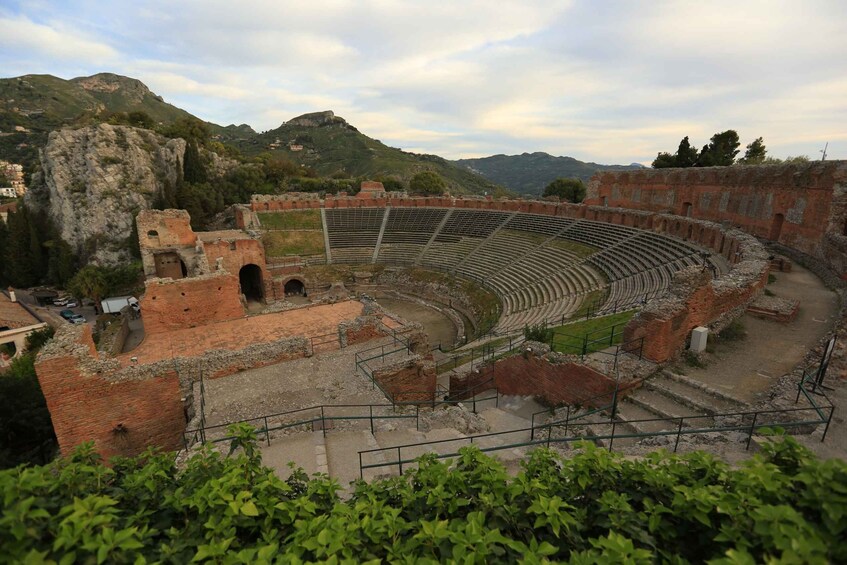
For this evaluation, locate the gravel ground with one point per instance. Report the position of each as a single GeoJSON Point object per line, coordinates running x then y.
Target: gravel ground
{"type": "Point", "coordinates": [326, 378]}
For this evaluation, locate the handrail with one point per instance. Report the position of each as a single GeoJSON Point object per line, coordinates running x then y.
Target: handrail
{"type": "Point", "coordinates": [679, 431]}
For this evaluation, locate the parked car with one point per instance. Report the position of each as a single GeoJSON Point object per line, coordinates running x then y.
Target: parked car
{"type": "Point", "coordinates": [60, 301]}
{"type": "Point", "coordinates": [78, 319]}
{"type": "Point", "coordinates": [72, 303]}
{"type": "Point", "coordinates": [68, 314]}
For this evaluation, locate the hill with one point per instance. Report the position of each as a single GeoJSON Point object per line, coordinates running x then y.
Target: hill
{"type": "Point", "coordinates": [38, 104]}
{"type": "Point", "coordinates": [329, 145]}
{"type": "Point", "coordinates": [529, 173]}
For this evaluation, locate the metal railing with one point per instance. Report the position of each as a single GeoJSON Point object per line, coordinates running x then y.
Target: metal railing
{"type": "Point", "coordinates": [323, 414]}
{"type": "Point", "coordinates": [748, 421]}
{"type": "Point", "coordinates": [479, 355]}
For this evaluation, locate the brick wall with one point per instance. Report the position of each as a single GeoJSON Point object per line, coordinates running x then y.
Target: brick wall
{"type": "Point", "coordinates": [168, 305]}
{"type": "Point", "coordinates": [408, 382]}
{"type": "Point", "coordinates": [235, 254]}
{"type": "Point", "coordinates": [797, 205]}
{"type": "Point", "coordinates": [665, 324]}
{"type": "Point", "coordinates": [556, 383]}
{"type": "Point", "coordinates": [121, 417]}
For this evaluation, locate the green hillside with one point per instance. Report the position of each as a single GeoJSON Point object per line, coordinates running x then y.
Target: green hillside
{"type": "Point", "coordinates": [42, 103]}
{"type": "Point", "coordinates": [529, 173]}
{"type": "Point", "coordinates": [332, 146]}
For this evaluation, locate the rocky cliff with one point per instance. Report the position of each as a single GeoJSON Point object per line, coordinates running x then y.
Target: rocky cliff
{"type": "Point", "coordinates": [94, 180]}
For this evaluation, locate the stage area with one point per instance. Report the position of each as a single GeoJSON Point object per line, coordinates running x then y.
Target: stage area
{"type": "Point", "coordinates": [237, 334]}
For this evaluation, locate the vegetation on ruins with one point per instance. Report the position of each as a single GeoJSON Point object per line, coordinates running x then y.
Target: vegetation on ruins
{"type": "Point", "coordinates": [293, 242]}
{"type": "Point", "coordinates": [427, 183]}
{"type": "Point", "coordinates": [96, 282]}
{"type": "Point", "coordinates": [569, 190]}
{"type": "Point", "coordinates": [719, 152]}
{"type": "Point", "coordinates": [291, 220]}
{"type": "Point", "coordinates": [783, 505]}
{"type": "Point", "coordinates": [26, 430]}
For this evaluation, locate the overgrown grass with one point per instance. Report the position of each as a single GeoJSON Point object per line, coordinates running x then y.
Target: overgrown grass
{"type": "Point", "coordinates": [282, 243]}
{"type": "Point", "coordinates": [591, 301]}
{"type": "Point", "coordinates": [291, 220]}
{"type": "Point", "coordinates": [600, 333]}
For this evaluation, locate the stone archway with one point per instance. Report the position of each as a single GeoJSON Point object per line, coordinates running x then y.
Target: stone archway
{"type": "Point", "coordinates": [250, 279]}
{"type": "Point", "coordinates": [295, 287]}
{"type": "Point", "coordinates": [776, 227]}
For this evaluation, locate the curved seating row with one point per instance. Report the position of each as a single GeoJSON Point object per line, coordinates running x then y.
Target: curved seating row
{"type": "Point", "coordinates": [542, 267]}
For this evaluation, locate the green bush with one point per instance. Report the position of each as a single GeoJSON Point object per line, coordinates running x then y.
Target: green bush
{"type": "Point", "coordinates": [593, 507]}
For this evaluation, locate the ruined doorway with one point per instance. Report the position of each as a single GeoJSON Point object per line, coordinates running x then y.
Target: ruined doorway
{"type": "Point", "coordinates": [295, 287]}
{"type": "Point", "coordinates": [686, 209]}
{"type": "Point", "coordinates": [250, 279]}
{"type": "Point", "coordinates": [776, 227]}
{"type": "Point", "coordinates": [169, 266]}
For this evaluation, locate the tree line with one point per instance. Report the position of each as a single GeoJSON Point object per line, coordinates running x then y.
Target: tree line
{"type": "Point", "coordinates": [721, 151]}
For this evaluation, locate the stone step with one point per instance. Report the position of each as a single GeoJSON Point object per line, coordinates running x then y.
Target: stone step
{"type": "Point", "coordinates": [306, 450]}
{"type": "Point", "coordinates": [662, 406]}
{"type": "Point", "coordinates": [342, 450]}
{"type": "Point", "coordinates": [629, 413]}
{"type": "Point", "coordinates": [695, 393]}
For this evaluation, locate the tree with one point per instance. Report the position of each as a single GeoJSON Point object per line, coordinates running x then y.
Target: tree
{"type": "Point", "coordinates": [756, 153]}
{"type": "Point", "coordinates": [193, 169]}
{"type": "Point", "coordinates": [664, 160]}
{"type": "Point", "coordinates": [721, 150]}
{"type": "Point", "coordinates": [571, 190]}
{"type": "Point", "coordinates": [686, 155]}
{"type": "Point", "coordinates": [188, 129]}
{"type": "Point", "coordinates": [90, 282]}
{"type": "Point", "coordinates": [427, 183]}
{"type": "Point", "coordinates": [20, 270]}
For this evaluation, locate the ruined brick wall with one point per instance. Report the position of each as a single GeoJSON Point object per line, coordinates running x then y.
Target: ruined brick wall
{"type": "Point", "coordinates": [173, 304]}
{"type": "Point", "coordinates": [122, 417]}
{"type": "Point", "coordinates": [165, 238]}
{"type": "Point", "coordinates": [528, 374]}
{"type": "Point", "coordinates": [695, 300]}
{"type": "Point", "coordinates": [796, 205]}
{"type": "Point", "coordinates": [410, 381]}
{"type": "Point", "coordinates": [235, 254]}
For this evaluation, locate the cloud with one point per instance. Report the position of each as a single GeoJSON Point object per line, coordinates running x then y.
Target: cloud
{"type": "Point", "coordinates": [608, 82]}
{"type": "Point", "coordinates": [53, 40]}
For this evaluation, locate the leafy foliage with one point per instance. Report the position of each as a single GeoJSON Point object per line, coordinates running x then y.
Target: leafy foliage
{"type": "Point", "coordinates": [427, 183]}
{"type": "Point", "coordinates": [569, 190]}
{"type": "Point", "coordinates": [594, 507]}
{"type": "Point", "coordinates": [97, 282]}
{"type": "Point", "coordinates": [755, 154]}
{"type": "Point", "coordinates": [31, 251]}
{"type": "Point", "coordinates": [719, 152]}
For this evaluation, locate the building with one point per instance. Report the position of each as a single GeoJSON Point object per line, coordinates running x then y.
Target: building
{"type": "Point", "coordinates": [16, 323]}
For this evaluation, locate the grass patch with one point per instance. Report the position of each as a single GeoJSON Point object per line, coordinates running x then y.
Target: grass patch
{"type": "Point", "coordinates": [282, 243]}
{"type": "Point", "coordinates": [693, 360]}
{"type": "Point", "coordinates": [591, 302]}
{"type": "Point", "coordinates": [292, 220]}
{"type": "Point", "coordinates": [600, 332]}
{"type": "Point", "coordinates": [579, 249]}
{"type": "Point", "coordinates": [735, 331]}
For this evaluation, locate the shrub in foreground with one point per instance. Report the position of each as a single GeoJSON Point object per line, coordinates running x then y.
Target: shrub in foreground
{"type": "Point", "coordinates": [594, 507]}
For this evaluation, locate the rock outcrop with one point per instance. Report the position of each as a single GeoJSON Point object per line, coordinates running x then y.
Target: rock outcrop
{"type": "Point", "coordinates": [94, 180]}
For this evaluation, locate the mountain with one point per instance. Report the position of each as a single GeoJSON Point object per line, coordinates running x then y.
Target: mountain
{"type": "Point", "coordinates": [529, 173]}
{"type": "Point", "coordinates": [31, 106]}
{"type": "Point", "coordinates": [329, 145]}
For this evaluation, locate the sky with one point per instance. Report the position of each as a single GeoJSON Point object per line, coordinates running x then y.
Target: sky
{"type": "Point", "coordinates": [602, 81]}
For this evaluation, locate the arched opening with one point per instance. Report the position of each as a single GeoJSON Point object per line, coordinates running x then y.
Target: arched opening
{"type": "Point", "coordinates": [295, 287]}
{"type": "Point", "coordinates": [686, 209]}
{"type": "Point", "coordinates": [250, 278]}
{"type": "Point", "coordinates": [690, 231]}
{"type": "Point", "coordinates": [776, 227]}
{"type": "Point", "coordinates": [169, 266]}
{"type": "Point", "coordinates": [606, 201]}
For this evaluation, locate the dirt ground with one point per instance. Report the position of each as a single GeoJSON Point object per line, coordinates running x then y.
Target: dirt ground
{"type": "Point", "coordinates": [747, 368]}
{"type": "Point", "coordinates": [327, 378]}
{"type": "Point", "coordinates": [437, 326]}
